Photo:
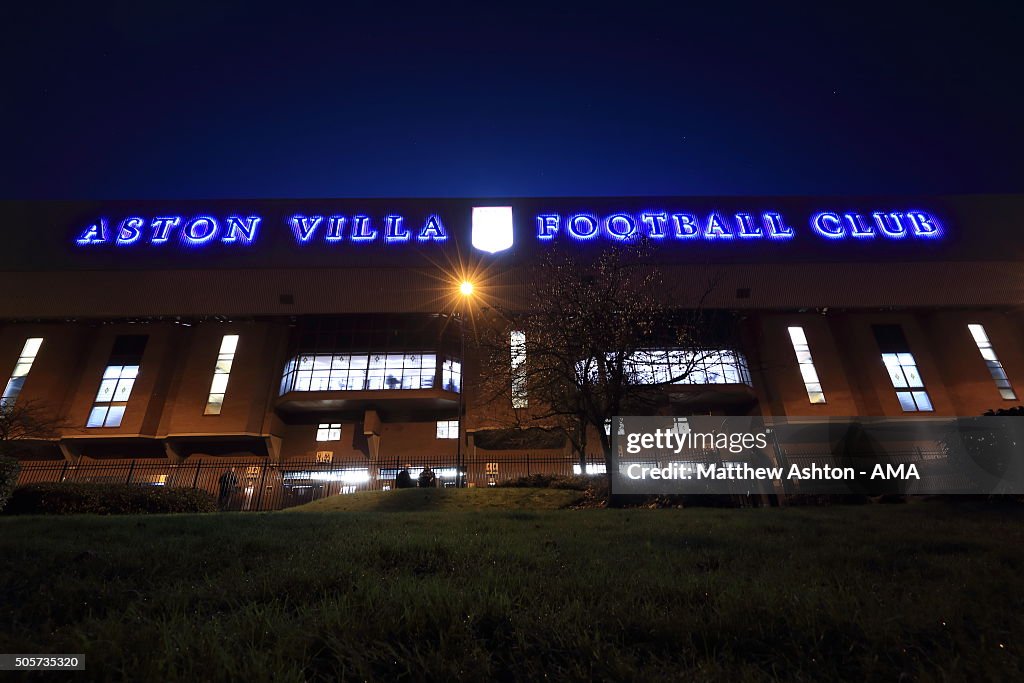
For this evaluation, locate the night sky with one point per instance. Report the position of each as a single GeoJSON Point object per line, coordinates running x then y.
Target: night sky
{"type": "Point", "coordinates": [135, 100]}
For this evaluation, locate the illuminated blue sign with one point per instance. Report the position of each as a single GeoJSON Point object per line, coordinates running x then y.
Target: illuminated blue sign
{"type": "Point", "coordinates": [493, 228]}
{"type": "Point", "coordinates": [194, 231]}
{"type": "Point", "coordinates": [718, 226]}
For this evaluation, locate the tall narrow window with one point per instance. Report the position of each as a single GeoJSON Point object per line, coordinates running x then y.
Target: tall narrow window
{"type": "Point", "coordinates": [118, 381]}
{"type": "Point", "coordinates": [21, 370]}
{"type": "Point", "coordinates": [995, 368]}
{"type": "Point", "coordinates": [902, 367]}
{"type": "Point", "coordinates": [221, 373]}
{"type": "Point", "coordinates": [451, 376]}
{"type": "Point", "coordinates": [807, 371]}
{"type": "Point", "coordinates": [518, 345]}
{"type": "Point", "coordinates": [112, 398]}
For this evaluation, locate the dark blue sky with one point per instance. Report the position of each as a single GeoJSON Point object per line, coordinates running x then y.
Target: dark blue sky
{"type": "Point", "coordinates": [129, 100]}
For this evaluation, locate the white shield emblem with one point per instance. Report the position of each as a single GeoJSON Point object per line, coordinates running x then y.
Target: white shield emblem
{"type": "Point", "coordinates": [492, 228]}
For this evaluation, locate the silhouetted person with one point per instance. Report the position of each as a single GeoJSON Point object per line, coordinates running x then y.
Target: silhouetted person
{"type": "Point", "coordinates": [427, 478]}
{"type": "Point", "coordinates": [404, 479]}
{"type": "Point", "coordinates": [228, 485]}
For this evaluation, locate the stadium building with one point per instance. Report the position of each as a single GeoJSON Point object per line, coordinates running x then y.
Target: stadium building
{"type": "Point", "coordinates": [165, 334]}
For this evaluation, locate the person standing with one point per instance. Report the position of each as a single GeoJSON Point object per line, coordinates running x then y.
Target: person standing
{"type": "Point", "coordinates": [228, 484]}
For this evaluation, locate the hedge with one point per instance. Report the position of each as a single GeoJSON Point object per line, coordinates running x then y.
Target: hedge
{"type": "Point", "coordinates": [9, 469]}
{"type": "Point", "coordinates": [68, 498]}
{"type": "Point", "coordinates": [549, 481]}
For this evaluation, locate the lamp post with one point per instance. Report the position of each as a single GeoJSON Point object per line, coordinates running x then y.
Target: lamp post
{"type": "Point", "coordinates": [465, 291]}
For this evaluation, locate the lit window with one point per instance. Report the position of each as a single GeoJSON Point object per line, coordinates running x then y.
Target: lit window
{"type": "Point", "coordinates": [359, 372]}
{"type": "Point", "coordinates": [112, 397]}
{"type": "Point", "coordinates": [21, 370]}
{"type": "Point", "coordinates": [452, 376]}
{"type": "Point", "coordinates": [592, 468]}
{"type": "Point", "coordinates": [518, 345]}
{"type": "Point", "coordinates": [995, 368]}
{"type": "Point", "coordinates": [907, 381]}
{"type": "Point", "coordinates": [221, 372]}
{"type": "Point", "coordinates": [328, 431]}
{"type": "Point", "coordinates": [448, 429]}
{"type": "Point", "coordinates": [683, 366]}
{"type": "Point", "coordinates": [807, 371]}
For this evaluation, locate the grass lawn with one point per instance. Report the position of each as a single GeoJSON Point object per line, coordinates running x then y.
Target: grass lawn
{"type": "Point", "coordinates": [914, 592]}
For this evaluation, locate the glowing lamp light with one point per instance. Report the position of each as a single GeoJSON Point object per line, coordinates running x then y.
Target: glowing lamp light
{"type": "Point", "coordinates": [466, 288]}
{"type": "Point", "coordinates": [492, 228]}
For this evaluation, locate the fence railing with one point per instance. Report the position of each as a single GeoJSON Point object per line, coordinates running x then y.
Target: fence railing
{"type": "Point", "coordinates": [264, 485]}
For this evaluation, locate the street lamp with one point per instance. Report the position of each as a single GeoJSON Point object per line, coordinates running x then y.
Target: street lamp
{"type": "Point", "coordinates": [465, 290]}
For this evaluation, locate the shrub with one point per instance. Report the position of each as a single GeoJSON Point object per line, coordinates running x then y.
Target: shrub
{"type": "Point", "coordinates": [69, 498]}
{"type": "Point", "coordinates": [9, 469]}
{"type": "Point", "coordinates": [550, 481]}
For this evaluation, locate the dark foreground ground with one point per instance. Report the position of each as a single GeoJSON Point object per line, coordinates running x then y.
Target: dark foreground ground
{"type": "Point", "coordinates": [912, 592]}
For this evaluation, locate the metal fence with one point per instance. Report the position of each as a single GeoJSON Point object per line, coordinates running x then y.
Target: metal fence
{"type": "Point", "coordinates": [251, 485]}
{"type": "Point", "coordinates": [263, 485]}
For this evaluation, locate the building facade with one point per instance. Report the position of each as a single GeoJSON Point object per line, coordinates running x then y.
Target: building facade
{"type": "Point", "coordinates": [333, 330]}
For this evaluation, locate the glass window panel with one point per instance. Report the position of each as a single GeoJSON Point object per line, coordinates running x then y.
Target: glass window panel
{"type": "Point", "coordinates": [1007, 394]}
{"type": "Point", "coordinates": [124, 389]}
{"type": "Point", "coordinates": [814, 387]}
{"type": "Point", "coordinates": [988, 353]}
{"type": "Point", "coordinates": [978, 332]}
{"type": "Point", "coordinates": [803, 356]}
{"type": "Point", "coordinates": [219, 384]}
{"type": "Point", "coordinates": [998, 373]}
{"type": "Point", "coordinates": [340, 362]}
{"type": "Point", "coordinates": [106, 391]}
{"type": "Point", "coordinates": [796, 334]}
{"type": "Point", "coordinates": [334, 433]}
{"type": "Point", "coordinates": [816, 396]}
{"type": "Point", "coordinates": [906, 359]}
{"type": "Point", "coordinates": [360, 361]}
{"type": "Point", "coordinates": [809, 374]}
{"type": "Point", "coordinates": [229, 343]}
{"type": "Point", "coordinates": [305, 362]}
{"type": "Point", "coordinates": [31, 347]}
{"type": "Point", "coordinates": [913, 378]}
{"type": "Point", "coordinates": [922, 400]}
{"type": "Point", "coordinates": [906, 401]}
{"type": "Point", "coordinates": [21, 369]}
{"type": "Point", "coordinates": [13, 388]}
{"type": "Point", "coordinates": [321, 432]}
{"type": "Point", "coordinates": [321, 362]}
{"type": "Point", "coordinates": [130, 371]}
{"type": "Point", "coordinates": [114, 416]}
{"type": "Point", "coordinates": [448, 429]}
{"type": "Point", "coordinates": [214, 404]}
{"type": "Point", "coordinates": [895, 371]}
{"type": "Point", "coordinates": [112, 372]}
{"type": "Point", "coordinates": [302, 379]}
{"type": "Point", "coordinates": [97, 416]}
{"type": "Point", "coordinates": [377, 361]}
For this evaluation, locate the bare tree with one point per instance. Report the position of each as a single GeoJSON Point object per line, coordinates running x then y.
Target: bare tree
{"type": "Point", "coordinates": [23, 422]}
{"type": "Point", "coordinates": [591, 331]}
